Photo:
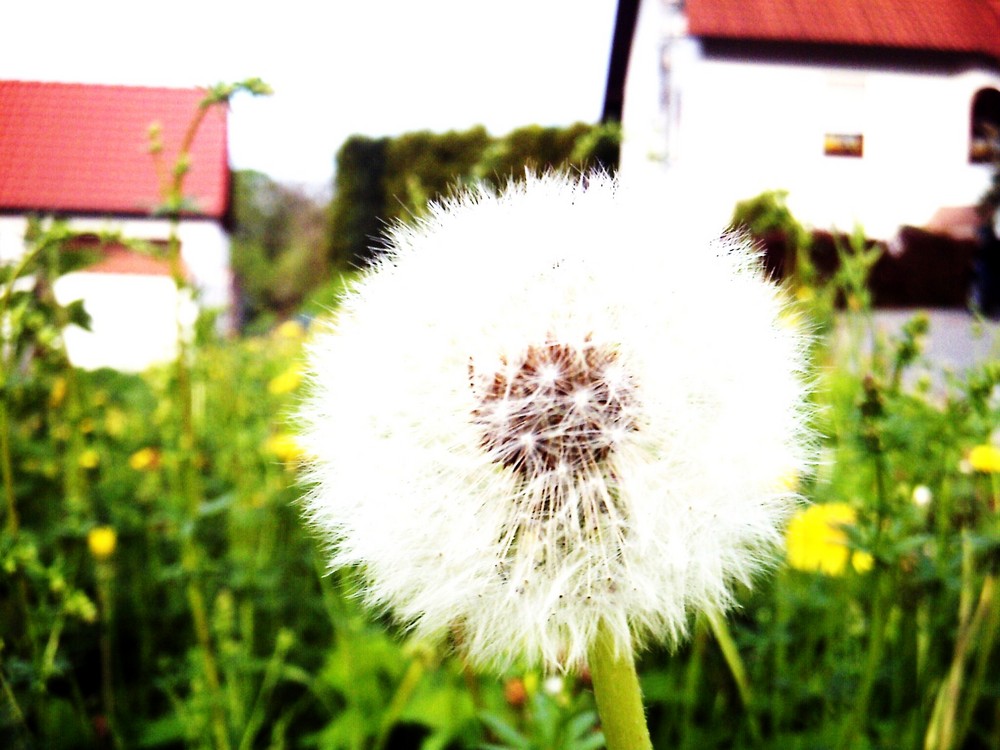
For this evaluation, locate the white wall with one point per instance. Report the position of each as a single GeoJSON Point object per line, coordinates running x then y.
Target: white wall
{"type": "Point", "coordinates": [736, 129]}
{"type": "Point", "coordinates": [135, 315]}
{"type": "Point", "coordinates": [133, 319]}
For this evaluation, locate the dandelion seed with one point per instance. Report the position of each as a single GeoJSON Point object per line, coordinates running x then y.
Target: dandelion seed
{"type": "Point", "coordinates": [518, 416]}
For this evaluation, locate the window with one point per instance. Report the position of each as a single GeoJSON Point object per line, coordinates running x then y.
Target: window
{"type": "Point", "coordinates": [844, 117]}
{"type": "Point", "coordinates": [843, 144]}
{"type": "Point", "coordinates": [984, 131]}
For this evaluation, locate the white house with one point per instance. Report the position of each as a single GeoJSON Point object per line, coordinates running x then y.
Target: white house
{"type": "Point", "coordinates": [878, 113]}
{"type": "Point", "coordinates": [81, 153]}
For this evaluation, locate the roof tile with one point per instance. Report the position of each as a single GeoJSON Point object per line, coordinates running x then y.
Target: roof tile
{"type": "Point", "coordinates": [84, 148]}
{"type": "Point", "coordinates": [966, 26]}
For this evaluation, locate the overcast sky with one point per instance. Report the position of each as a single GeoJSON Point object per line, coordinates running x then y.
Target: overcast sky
{"type": "Point", "coordinates": [377, 67]}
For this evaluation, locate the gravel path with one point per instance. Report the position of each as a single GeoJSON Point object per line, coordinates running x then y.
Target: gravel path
{"type": "Point", "coordinates": [955, 341]}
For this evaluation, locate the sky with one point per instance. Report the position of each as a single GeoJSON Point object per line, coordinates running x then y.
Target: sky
{"type": "Point", "coordinates": [373, 67]}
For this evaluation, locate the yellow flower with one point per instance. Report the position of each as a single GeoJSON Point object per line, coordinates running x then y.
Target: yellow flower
{"type": "Point", "coordinates": [286, 382]}
{"type": "Point", "coordinates": [58, 393]}
{"type": "Point", "coordinates": [145, 459]}
{"type": "Point", "coordinates": [292, 330]}
{"type": "Point", "coordinates": [816, 540]}
{"type": "Point", "coordinates": [284, 446]}
{"type": "Point", "coordinates": [88, 458]}
{"type": "Point", "coordinates": [804, 293]}
{"type": "Point", "coordinates": [102, 541]}
{"type": "Point", "coordinates": [985, 458]}
{"type": "Point", "coordinates": [115, 422]}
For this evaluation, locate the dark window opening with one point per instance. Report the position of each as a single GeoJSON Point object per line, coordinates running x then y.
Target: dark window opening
{"type": "Point", "coordinates": [984, 135]}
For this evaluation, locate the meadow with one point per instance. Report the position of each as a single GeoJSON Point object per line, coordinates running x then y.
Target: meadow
{"type": "Point", "coordinates": [160, 589]}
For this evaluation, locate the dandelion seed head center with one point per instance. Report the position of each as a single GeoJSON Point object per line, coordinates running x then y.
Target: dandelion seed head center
{"type": "Point", "coordinates": [557, 408]}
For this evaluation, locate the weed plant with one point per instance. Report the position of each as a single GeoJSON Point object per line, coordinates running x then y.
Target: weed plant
{"type": "Point", "coordinates": [159, 589]}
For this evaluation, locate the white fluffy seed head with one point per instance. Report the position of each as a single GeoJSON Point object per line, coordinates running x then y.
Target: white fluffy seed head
{"type": "Point", "coordinates": [551, 407]}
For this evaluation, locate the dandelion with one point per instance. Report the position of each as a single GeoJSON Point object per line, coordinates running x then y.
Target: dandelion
{"type": "Point", "coordinates": [817, 541]}
{"type": "Point", "coordinates": [102, 541]}
{"type": "Point", "coordinates": [554, 424]}
{"type": "Point", "coordinates": [985, 458]}
{"type": "Point", "coordinates": [284, 446]}
{"type": "Point", "coordinates": [286, 382]}
{"type": "Point", "coordinates": [58, 393]}
{"type": "Point", "coordinates": [145, 459]}
{"type": "Point", "coordinates": [88, 458]}
{"type": "Point", "coordinates": [291, 330]}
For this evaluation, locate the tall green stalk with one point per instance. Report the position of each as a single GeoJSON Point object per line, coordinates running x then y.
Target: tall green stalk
{"type": "Point", "coordinates": [619, 699]}
{"type": "Point", "coordinates": [172, 196]}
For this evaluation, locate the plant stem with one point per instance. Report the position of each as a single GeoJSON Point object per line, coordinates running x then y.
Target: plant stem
{"type": "Point", "coordinates": [946, 730]}
{"type": "Point", "coordinates": [619, 700]}
{"type": "Point", "coordinates": [720, 630]}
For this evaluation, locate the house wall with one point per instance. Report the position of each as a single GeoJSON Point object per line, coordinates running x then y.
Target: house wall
{"type": "Point", "coordinates": [135, 315]}
{"type": "Point", "coordinates": [133, 319]}
{"type": "Point", "coordinates": [727, 129]}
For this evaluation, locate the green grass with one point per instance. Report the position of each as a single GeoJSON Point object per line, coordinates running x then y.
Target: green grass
{"type": "Point", "coordinates": [107, 650]}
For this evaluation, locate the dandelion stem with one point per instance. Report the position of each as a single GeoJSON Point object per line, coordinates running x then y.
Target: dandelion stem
{"type": "Point", "coordinates": [400, 699]}
{"type": "Point", "coordinates": [619, 699]}
{"type": "Point", "coordinates": [946, 729]}
{"type": "Point", "coordinates": [736, 667]}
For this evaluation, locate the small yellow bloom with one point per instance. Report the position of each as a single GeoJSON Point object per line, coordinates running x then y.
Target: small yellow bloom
{"type": "Point", "coordinates": [102, 541]}
{"type": "Point", "coordinates": [805, 293]}
{"type": "Point", "coordinates": [115, 422]}
{"type": "Point", "coordinates": [284, 446]}
{"type": "Point", "coordinates": [88, 458]}
{"type": "Point", "coordinates": [985, 458]}
{"type": "Point", "coordinates": [58, 393]}
{"type": "Point", "coordinates": [816, 540]}
{"type": "Point", "coordinates": [292, 330]}
{"type": "Point", "coordinates": [145, 459]}
{"type": "Point", "coordinates": [286, 382]}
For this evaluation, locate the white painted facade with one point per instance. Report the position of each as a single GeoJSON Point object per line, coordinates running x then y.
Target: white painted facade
{"type": "Point", "coordinates": [714, 131]}
{"type": "Point", "coordinates": [135, 316]}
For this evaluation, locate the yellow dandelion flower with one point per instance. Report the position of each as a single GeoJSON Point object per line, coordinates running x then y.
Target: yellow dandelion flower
{"type": "Point", "coordinates": [145, 459]}
{"type": "Point", "coordinates": [985, 458]}
{"type": "Point", "coordinates": [58, 393]}
{"type": "Point", "coordinates": [286, 382]}
{"type": "Point", "coordinates": [285, 447]}
{"type": "Point", "coordinates": [805, 293]}
{"type": "Point", "coordinates": [816, 540]}
{"type": "Point", "coordinates": [292, 330]}
{"type": "Point", "coordinates": [88, 459]}
{"type": "Point", "coordinates": [102, 541]}
{"type": "Point", "coordinates": [115, 422]}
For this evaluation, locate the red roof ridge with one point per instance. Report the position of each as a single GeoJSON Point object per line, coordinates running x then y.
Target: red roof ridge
{"type": "Point", "coordinates": [962, 26]}
{"type": "Point", "coordinates": [84, 148]}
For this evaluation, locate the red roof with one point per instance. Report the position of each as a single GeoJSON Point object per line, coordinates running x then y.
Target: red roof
{"type": "Point", "coordinates": [967, 26]}
{"type": "Point", "coordinates": [75, 148]}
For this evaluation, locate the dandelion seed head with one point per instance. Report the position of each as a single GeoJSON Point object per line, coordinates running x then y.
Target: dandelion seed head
{"type": "Point", "coordinates": [597, 408]}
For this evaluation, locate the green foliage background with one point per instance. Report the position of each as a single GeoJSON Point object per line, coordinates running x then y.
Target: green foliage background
{"type": "Point", "coordinates": [380, 181]}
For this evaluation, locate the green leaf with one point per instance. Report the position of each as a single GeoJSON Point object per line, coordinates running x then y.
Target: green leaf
{"type": "Point", "coordinates": [504, 731]}
{"type": "Point", "coordinates": [76, 314]}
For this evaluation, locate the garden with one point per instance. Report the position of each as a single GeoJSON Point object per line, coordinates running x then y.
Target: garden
{"type": "Point", "coordinates": [160, 588]}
